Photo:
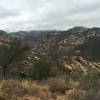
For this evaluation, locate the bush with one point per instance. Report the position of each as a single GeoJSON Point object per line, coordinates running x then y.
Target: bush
{"type": "Point", "coordinates": [91, 81]}
{"type": "Point", "coordinates": [56, 85]}
{"type": "Point", "coordinates": [41, 70]}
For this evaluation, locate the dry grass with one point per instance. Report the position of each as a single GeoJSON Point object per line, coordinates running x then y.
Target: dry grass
{"type": "Point", "coordinates": [86, 88]}
{"type": "Point", "coordinates": [23, 90]}
{"type": "Point", "coordinates": [56, 85]}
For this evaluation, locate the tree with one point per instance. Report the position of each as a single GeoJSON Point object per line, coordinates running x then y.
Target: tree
{"type": "Point", "coordinates": [10, 53]}
{"type": "Point", "coordinates": [41, 69]}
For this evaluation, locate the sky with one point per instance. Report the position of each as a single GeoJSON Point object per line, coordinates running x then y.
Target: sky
{"type": "Point", "coordinates": [16, 15]}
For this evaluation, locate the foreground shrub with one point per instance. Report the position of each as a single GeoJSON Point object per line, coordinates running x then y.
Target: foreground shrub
{"type": "Point", "coordinates": [56, 85]}
{"type": "Point", "coordinates": [91, 81]}
{"type": "Point", "coordinates": [41, 70]}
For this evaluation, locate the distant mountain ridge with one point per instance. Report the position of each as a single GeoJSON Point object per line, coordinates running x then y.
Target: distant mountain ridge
{"type": "Point", "coordinates": [64, 41]}
{"type": "Point", "coordinates": [76, 31]}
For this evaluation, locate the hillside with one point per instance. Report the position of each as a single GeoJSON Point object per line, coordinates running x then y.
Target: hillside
{"type": "Point", "coordinates": [62, 45]}
{"type": "Point", "coordinates": [50, 65]}
{"type": "Point", "coordinates": [57, 45]}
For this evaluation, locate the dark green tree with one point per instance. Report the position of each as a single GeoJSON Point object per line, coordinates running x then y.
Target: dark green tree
{"type": "Point", "coordinates": [10, 53]}
{"type": "Point", "coordinates": [41, 70]}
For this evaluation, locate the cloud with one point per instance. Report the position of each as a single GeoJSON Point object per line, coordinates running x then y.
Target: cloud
{"type": "Point", "coordinates": [18, 15]}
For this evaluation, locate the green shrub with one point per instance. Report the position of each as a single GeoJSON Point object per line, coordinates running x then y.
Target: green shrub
{"type": "Point", "coordinates": [41, 70]}
{"type": "Point", "coordinates": [91, 81]}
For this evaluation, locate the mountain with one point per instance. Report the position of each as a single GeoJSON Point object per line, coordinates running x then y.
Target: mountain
{"type": "Point", "coordinates": [36, 33]}
{"type": "Point", "coordinates": [57, 41]}
{"type": "Point", "coordinates": [76, 45]}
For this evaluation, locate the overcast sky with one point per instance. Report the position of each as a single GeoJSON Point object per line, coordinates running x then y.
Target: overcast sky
{"type": "Point", "coordinates": [18, 15]}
